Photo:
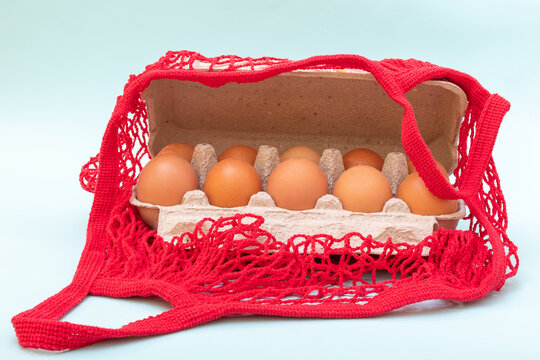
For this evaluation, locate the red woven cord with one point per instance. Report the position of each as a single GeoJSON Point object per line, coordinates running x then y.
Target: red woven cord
{"type": "Point", "coordinates": [489, 194]}
{"type": "Point", "coordinates": [235, 255]}
{"type": "Point", "coordinates": [232, 266]}
{"type": "Point", "coordinates": [88, 175]}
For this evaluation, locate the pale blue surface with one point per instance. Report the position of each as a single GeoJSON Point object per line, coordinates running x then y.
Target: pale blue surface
{"type": "Point", "coordinates": [62, 64]}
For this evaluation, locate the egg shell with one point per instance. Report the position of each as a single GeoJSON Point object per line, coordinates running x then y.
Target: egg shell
{"type": "Point", "coordinates": [297, 184]}
{"type": "Point", "coordinates": [164, 180]}
{"type": "Point", "coordinates": [231, 183]}
{"type": "Point", "coordinates": [183, 150]}
{"type": "Point", "coordinates": [301, 152]}
{"type": "Point", "coordinates": [421, 201]}
{"type": "Point", "coordinates": [240, 152]}
{"type": "Point", "coordinates": [362, 188]}
{"type": "Point", "coordinates": [363, 156]}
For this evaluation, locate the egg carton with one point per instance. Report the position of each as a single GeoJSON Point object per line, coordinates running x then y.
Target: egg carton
{"type": "Point", "coordinates": [332, 112]}
{"type": "Point", "coordinates": [395, 221]}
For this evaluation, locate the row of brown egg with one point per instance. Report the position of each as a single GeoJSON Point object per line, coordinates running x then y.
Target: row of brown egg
{"type": "Point", "coordinates": [296, 183]}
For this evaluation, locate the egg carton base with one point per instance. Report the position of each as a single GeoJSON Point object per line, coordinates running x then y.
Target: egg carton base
{"type": "Point", "coordinates": [395, 222]}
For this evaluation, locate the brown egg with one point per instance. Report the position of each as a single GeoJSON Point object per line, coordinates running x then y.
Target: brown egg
{"type": "Point", "coordinates": [231, 183]}
{"type": "Point", "coordinates": [185, 151]}
{"type": "Point", "coordinates": [363, 156]}
{"type": "Point", "coordinates": [412, 169]}
{"type": "Point", "coordinates": [164, 181]}
{"type": "Point", "coordinates": [240, 152]}
{"type": "Point", "coordinates": [362, 188]}
{"type": "Point", "coordinates": [420, 200]}
{"type": "Point", "coordinates": [301, 152]}
{"type": "Point", "coordinates": [297, 184]}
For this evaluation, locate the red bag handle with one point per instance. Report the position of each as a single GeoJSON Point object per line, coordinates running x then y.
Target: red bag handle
{"type": "Point", "coordinates": [40, 327]}
{"type": "Point", "coordinates": [50, 334]}
{"type": "Point", "coordinates": [493, 106]}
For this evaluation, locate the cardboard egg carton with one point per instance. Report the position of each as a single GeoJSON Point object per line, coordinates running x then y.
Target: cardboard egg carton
{"type": "Point", "coordinates": [328, 217]}
{"type": "Point", "coordinates": [332, 112]}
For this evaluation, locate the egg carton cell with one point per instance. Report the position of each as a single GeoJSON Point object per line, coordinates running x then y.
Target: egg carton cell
{"type": "Point", "coordinates": [395, 221]}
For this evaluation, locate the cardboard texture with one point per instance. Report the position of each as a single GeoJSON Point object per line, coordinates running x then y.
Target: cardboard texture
{"type": "Point", "coordinates": [320, 109]}
{"type": "Point", "coordinates": [333, 112]}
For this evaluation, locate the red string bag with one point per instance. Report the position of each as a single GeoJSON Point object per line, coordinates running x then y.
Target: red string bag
{"type": "Point", "coordinates": [215, 274]}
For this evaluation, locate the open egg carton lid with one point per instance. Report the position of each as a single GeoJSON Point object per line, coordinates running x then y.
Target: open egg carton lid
{"type": "Point", "coordinates": [321, 109]}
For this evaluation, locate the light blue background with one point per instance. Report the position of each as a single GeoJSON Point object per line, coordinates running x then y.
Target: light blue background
{"type": "Point", "coordinates": [62, 64]}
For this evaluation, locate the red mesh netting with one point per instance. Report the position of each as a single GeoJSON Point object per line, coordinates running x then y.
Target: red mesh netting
{"type": "Point", "coordinates": [236, 260]}
{"type": "Point", "coordinates": [237, 267]}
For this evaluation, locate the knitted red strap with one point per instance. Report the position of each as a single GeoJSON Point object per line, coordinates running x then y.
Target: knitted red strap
{"type": "Point", "coordinates": [494, 107]}
{"type": "Point", "coordinates": [41, 327]}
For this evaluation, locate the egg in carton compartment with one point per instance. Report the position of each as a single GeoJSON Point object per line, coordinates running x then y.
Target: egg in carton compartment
{"type": "Point", "coordinates": [328, 217]}
{"type": "Point", "coordinates": [332, 112]}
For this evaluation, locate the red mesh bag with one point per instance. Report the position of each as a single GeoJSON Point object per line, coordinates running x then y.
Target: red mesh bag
{"type": "Point", "coordinates": [217, 273]}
